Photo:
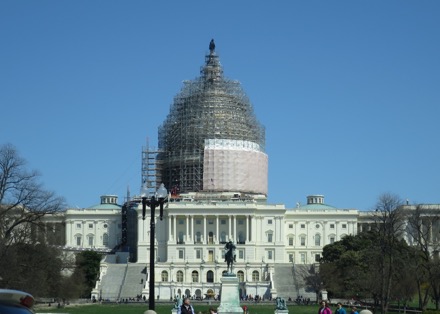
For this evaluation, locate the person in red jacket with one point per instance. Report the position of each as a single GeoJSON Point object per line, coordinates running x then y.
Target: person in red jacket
{"type": "Point", "coordinates": [324, 308]}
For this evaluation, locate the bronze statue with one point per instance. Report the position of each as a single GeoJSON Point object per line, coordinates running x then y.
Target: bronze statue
{"type": "Point", "coordinates": [230, 255]}
{"type": "Point", "coordinates": [212, 46]}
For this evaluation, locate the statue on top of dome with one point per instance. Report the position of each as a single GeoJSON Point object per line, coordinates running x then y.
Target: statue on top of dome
{"type": "Point", "coordinates": [212, 46]}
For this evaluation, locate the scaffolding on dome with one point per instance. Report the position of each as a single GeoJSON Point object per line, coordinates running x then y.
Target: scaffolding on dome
{"type": "Point", "coordinates": [211, 132]}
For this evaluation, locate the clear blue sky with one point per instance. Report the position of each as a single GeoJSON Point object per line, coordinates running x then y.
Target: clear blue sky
{"type": "Point", "coordinates": [349, 91]}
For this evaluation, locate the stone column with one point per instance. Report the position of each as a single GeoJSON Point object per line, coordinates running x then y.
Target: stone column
{"type": "Point", "coordinates": [187, 239]}
{"type": "Point", "coordinates": [247, 236]}
{"type": "Point", "coordinates": [205, 239]}
{"type": "Point", "coordinates": [229, 225]}
{"type": "Point", "coordinates": [217, 223]}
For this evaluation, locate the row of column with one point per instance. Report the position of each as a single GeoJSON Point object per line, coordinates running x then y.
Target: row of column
{"type": "Point", "coordinates": [190, 222]}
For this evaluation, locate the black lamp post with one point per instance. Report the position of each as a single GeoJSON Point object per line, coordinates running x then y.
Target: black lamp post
{"type": "Point", "coordinates": [155, 200]}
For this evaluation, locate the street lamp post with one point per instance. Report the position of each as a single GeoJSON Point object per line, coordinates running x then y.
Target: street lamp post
{"type": "Point", "coordinates": [155, 200]}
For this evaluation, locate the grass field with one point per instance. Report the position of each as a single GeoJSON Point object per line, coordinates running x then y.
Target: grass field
{"type": "Point", "coordinates": [140, 308]}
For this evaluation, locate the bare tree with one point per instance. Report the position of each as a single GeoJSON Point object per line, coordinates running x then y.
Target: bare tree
{"type": "Point", "coordinates": [23, 200]}
{"type": "Point", "coordinates": [390, 223]}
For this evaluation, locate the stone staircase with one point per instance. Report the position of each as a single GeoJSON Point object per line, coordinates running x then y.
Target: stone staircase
{"type": "Point", "coordinates": [288, 280]}
{"type": "Point", "coordinates": [134, 281]}
{"type": "Point", "coordinates": [111, 282]}
{"type": "Point", "coordinates": [283, 281]}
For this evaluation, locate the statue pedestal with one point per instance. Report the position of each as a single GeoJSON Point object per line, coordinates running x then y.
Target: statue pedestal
{"type": "Point", "coordinates": [281, 311]}
{"type": "Point", "coordinates": [229, 298]}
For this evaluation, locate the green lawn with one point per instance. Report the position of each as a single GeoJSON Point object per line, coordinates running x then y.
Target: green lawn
{"type": "Point", "coordinates": [203, 307]}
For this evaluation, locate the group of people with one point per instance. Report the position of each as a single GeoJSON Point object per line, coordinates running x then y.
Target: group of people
{"type": "Point", "coordinates": [325, 309]}
{"type": "Point", "coordinates": [187, 308]}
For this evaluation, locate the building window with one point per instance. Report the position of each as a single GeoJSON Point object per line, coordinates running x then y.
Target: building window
{"type": "Point", "coordinates": [180, 221]}
{"type": "Point", "coordinates": [332, 240]}
{"type": "Point", "coordinates": [290, 241]}
{"type": "Point", "coordinates": [255, 276]}
{"type": "Point", "coordinates": [303, 226]}
{"type": "Point", "coordinates": [241, 222]}
{"type": "Point", "coordinates": [303, 240]}
{"type": "Point", "coordinates": [164, 276]}
{"type": "Point", "coordinates": [344, 226]}
{"type": "Point", "coordinates": [78, 226]}
{"type": "Point", "coordinates": [318, 240]}
{"type": "Point", "coordinates": [198, 222]}
{"type": "Point", "coordinates": [317, 258]}
{"type": "Point", "coordinates": [240, 276]}
{"type": "Point", "coordinates": [90, 226]}
{"type": "Point", "coordinates": [270, 255]}
{"type": "Point", "coordinates": [181, 254]}
{"type": "Point", "coordinates": [269, 222]}
{"type": "Point", "coordinates": [241, 254]}
{"type": "Point", "coordinates": [303, 258]}
{"type": "Point", "coordinates": [223, 222]}
{"type": "Point", "coordinates": [241, 237]}
{"type": "Point", "coordinates": [119, 226]}
{"type": "Point", "coordinates": [290, 226]}
{"type": "Point", "coordinates": [291, 257]}
{"type": "Point", "coordinates": [269, 237]}
{"type": "Point", "coordinates": [78, 240]}
{"type": "Point", "coordinates": [317, 226]}
{"type": "Point", "coordinates": [223, 237]}
{"type": "Point", "coordinates": [332, 226]}
{"type": "Point", "coordinates": [105, 226]}
{"type": "Point", "coordinates": [195, 276]}
{"type": "Point", "coordinates": [198, 254]}
{"type": "Point", "coordinates": [179, 276]}
{"type": "Point", "coordinates": [90, 238]}
{"type": "Point", "coordinates": [198, 237]}
{"type": "Point", "coordinates": [210, 222]}
{"type": "Point", "coordinates": [180, 239]}
{"type": "Point", "coordinates": [105, 239]}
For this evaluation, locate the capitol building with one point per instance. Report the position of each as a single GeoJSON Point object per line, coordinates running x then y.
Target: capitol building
{"type": "Point", "coordinates": [211, 159]}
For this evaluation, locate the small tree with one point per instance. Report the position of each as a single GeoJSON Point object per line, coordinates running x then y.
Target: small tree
{"type": "Point", "coordinates": [87, 271]}
{"type": "Point", "coordinates": [390, 222]}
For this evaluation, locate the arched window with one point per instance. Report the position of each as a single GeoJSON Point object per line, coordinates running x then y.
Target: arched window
{"type": "Point", "coordinates": [164, 276]}
{"type": "Point", "coordinates": [255, 276]}
{"type": "Point", "coordinates": [105, 239]}
{"type": "Point", "coordinates": [240, 276]}
{"type": "Point", "coordinates": [318, 239]}
{"type": "Point", "coordinates": [209, 276]}
{"type": "Point", "coordinates": [195, 276]}
{"type": "Point", "coordinates": [210, 237]}
{"type": "Point", "coordinates": [198, 237]}
{"type": "Point", "coordinates": [179, 276]}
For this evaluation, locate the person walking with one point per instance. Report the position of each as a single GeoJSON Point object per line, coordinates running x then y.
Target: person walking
{"type": "Point", "coordinates": [324, 308]}
{"type": "Point", "coordinates": [340, 309]}
{"type": "Point", "coordinates": [186, 307]}
{"type": "Point", "coordinates": [354, 310]}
